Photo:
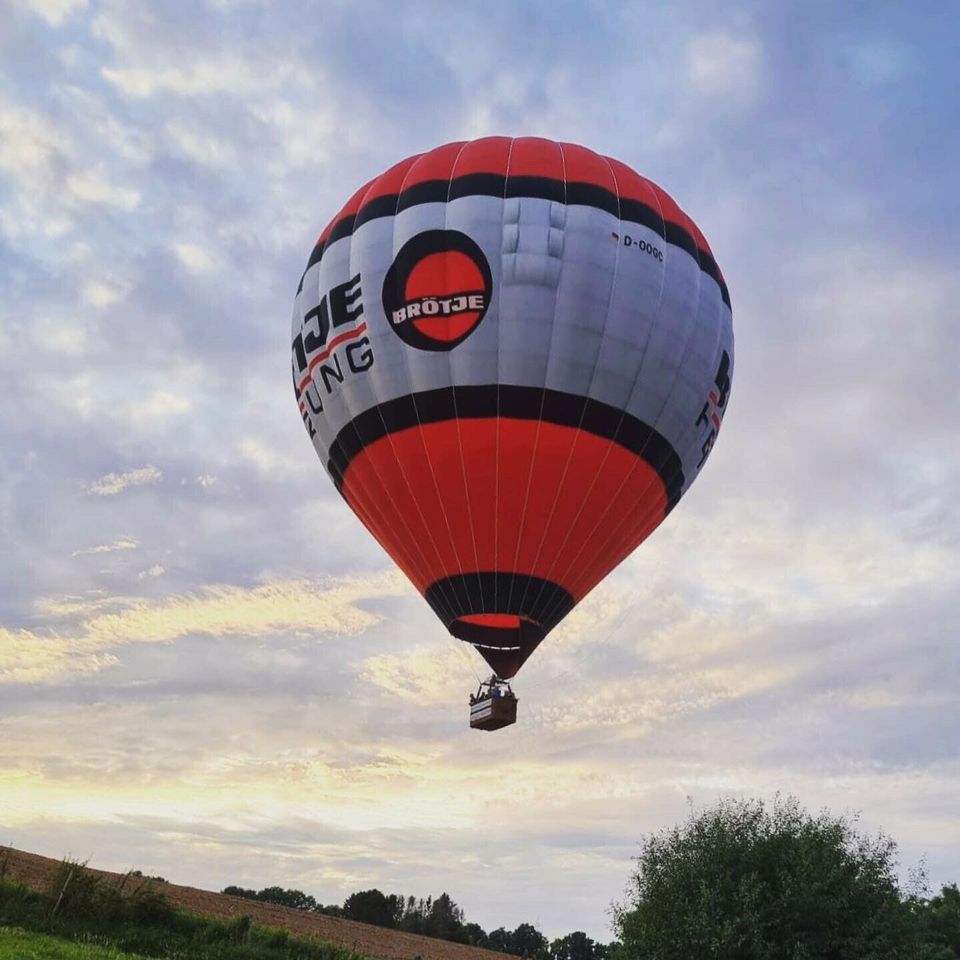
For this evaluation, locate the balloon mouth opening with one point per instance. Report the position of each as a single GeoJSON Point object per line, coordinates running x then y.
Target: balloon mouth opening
{"type": "Point", "coordinates": [504, 640]}
{"type": "Point", "coordinates": [500, 631]}
{"type": "Point", "coordinates": [496, 621]}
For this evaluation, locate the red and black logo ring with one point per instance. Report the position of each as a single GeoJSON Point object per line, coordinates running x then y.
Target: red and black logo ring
{"type": "Point", "coordinates": [437, 290]}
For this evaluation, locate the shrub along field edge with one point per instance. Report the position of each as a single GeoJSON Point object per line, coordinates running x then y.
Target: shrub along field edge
{"type": "Point", "coordinates": [130, 916]}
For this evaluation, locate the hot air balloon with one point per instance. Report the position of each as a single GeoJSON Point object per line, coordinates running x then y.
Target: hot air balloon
{"type": "Point", "coordinates": [513, 357]}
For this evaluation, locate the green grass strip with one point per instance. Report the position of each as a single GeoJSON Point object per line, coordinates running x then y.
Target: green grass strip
{"type": "Point", "coordinates": [16, 944]}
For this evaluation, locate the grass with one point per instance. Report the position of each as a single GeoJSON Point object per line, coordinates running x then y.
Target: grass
{"type": "Point", "coordinates": [130, 917]}
{"type": "Point", "coordinates": [18, 944]}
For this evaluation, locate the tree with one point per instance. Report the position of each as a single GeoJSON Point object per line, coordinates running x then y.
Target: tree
{"type": "Point", "coordinates": [414, 913]}
{"type": "Point", "coordinates": [444, 919]}
{"type": "Point", "coordinates": [747, 881]}
{"type": "Point", "coordinates": [287, 898]}
{"type": "Point", "coordinates": [240, 892]}
{"type": "Point", "coordinates": [575, 946]}
{"type": "Point", "coordinates": [941, 919]}
{"type": "Point", "coordinates": [475, 935]}
{"type": "Point", "coordinates": [372, 906]}
{"type": "Point", "coordinates": [528, 941]}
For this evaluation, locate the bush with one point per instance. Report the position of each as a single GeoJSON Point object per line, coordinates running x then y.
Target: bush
{"type": "Point", "coordinates": [146, 906]}
{"type": "Point", "coordinates": [86, 908]}
{"type": "Point", "coordinates": [78, 892]}
{"type": "Point", "coordinates": [746, 881]}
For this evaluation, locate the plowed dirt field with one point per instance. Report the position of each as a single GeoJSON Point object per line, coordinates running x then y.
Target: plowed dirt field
{"type": "Point", "coordinates": [36, 871]}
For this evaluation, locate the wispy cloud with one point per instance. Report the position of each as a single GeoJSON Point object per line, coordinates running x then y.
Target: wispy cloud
{"type": "Point", "coordinates": [111, 484]}
{"type": "Point", "coordinates": [28, 656]}
{"type": "Point", "coordinates": [125, 543]}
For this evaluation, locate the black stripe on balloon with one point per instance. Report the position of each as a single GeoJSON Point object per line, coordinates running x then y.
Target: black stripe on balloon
{"type": "Point", "coordinates": [514, 402]}
{"type": "Point", "coordinates": [342, 228]}
{"type": "Point", "coordinates": [427, 191]}
{"type": "Point", "coordinates": [540, 188]}
{"type": "Point", "coordinates": [385, 206]}
{"type": "Point", "coordinates": [543, 188]}
{"type": "Point", "coordinates": [590, 195]}
{"type": "Point", "coordinates": [709, 266]}
{"type": "Point", "coordinates": [315, 256]}
{"type": "Point", "coordinates": [675, 234]}
{"type": "Point", "coordinates": [489, 592]}
{"type": "Point", "coordinates": [477, 185]}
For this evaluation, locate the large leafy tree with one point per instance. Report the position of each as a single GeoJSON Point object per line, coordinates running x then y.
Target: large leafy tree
{"type": "Point", "coordinates": [445, 919]}
{"type": "Point", "coordinates": [750, 881]}
{"type": "Point", "coordinates": [527, 941]}
{"type": "Point", "coordinates": [373, 906]}
{"type": "Point", "coordinates": [576, 946]}
{"type": "Point", "coordinates": [941, 918]}
{"type": "Point", "coordinates": [287, 898]}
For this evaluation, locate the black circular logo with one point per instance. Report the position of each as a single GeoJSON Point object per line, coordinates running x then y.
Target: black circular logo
{"type": "Point", "coordinates": [437, 290]}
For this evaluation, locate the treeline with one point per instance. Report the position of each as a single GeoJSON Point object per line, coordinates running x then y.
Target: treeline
{"type": "Point", "coordinates": [435, 917]}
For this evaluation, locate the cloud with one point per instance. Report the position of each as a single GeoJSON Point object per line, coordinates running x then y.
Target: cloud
{"type": "Point", "coordinates": [159, 405]}
{"type": "Point", "coordinates": [60, 174]}
{"type": "Point", "coordinates": [425, 676]}
{"type": "Point", "coordinates": [195, 258]}
{"type": "Point", "coordinates": [73, 606]}
{"type": "Point", "coordinates": [93, 187]}
{"type": "Point", "coordinates": [27, 142]}
{"type": "Point", "coordinates": [724, 65]}
{"type": "Point", "coordinates": [637, 705]}
{"type": "Point", "coordinates": [123, 544]}
{"type": "Point", "coordinates": [54, 12]}
{"type": "Point", "coordinates": [28, 656]}
{"type": "Point", "coordinates": [223, 73]}
{"type": "Point", "coordinates": [97, 293]}
{"type": "Point", "coordinates": [113, 483]}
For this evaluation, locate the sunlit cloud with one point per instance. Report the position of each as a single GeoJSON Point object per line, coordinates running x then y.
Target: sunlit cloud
{"type": "Point", "coordinates": [28, 656]}
{"type": "Point", "coordinates": [73, 607]}
{"type": "Point", "coordinates": [426, 676]}
{"type": "Point", "coordinates": [640, 703]}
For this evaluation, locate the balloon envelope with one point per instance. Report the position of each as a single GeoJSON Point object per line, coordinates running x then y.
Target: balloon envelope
{"type": "Point", "coordinates": [513, 357]}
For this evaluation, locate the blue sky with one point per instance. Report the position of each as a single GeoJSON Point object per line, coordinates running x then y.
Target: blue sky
{"type": "Point", "coordinates": [209, 670]}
